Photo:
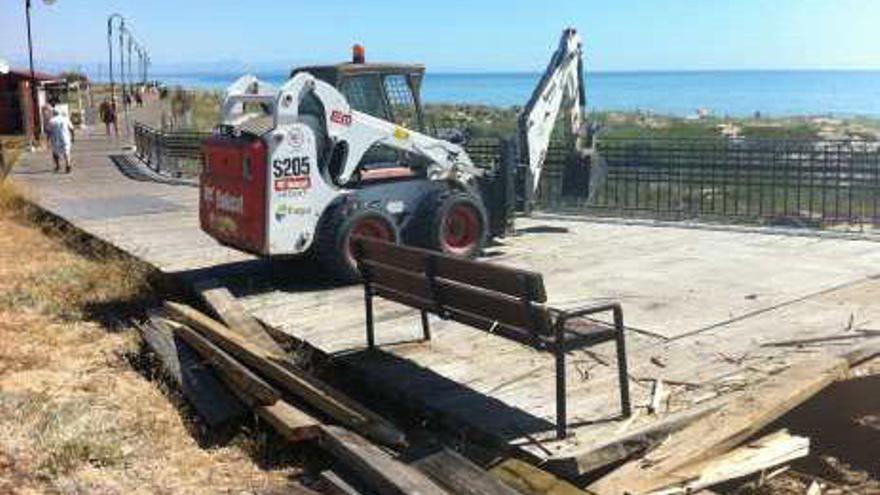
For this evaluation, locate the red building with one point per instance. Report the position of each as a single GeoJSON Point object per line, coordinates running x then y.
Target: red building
{"type": "Point", "coordinates": [16, 102]}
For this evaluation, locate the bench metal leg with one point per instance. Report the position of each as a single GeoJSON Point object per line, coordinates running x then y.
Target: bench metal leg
{"type": "Point", "coordinates": [561, 420]}
{"type": "Point", "coordinates": [623, 375]}
{"type": "Point", "coordinates": [426, 326]}
{"type": "Point", "coordinates": [368, 304]}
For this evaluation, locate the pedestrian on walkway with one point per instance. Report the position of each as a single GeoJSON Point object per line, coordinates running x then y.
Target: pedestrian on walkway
{"type": "Point", "coordinates": [107, 112]}
{"type": "Point", "coordinates": [61, 139]}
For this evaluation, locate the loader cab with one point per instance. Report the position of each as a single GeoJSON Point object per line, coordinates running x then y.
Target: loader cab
{"type": "Point", "coordinates": [387, 91]}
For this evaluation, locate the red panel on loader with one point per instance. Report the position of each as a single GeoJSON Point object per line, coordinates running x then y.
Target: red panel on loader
{"type": "Point", "coordinates": [232, 204]}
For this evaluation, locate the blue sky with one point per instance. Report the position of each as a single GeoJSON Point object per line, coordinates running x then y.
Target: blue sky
{"type": "Point", "coordinates": [453, 35]}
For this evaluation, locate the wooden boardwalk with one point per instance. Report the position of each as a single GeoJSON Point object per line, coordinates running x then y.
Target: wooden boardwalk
{"type": "Point", "coordinates": [708, 310]}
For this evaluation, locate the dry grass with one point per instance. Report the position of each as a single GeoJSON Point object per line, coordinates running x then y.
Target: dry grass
{"type": "Point", "coordinates": [75, 417]}
{"type": "Point", "coordinates": [11, 148]}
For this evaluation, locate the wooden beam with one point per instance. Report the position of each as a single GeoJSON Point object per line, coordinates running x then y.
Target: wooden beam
{"type": "Point", "coordinates": [741, 417]}
{"type": "Point", "coordinates": [333, 484]}
{"type": "Point", "coordinates": [459, 475]}
{"type": "Point", "coordinates": [237, 375]}
{"type": "Point", "coordinates": [233, 314]}
{"type": "Point", "coordinates": [285, 374]}
{"type": "Point", "coordinates": [755, 456]}
{"type": "Point", "coordinates": [532, 480]}
{"type": "Point", "coordinates": [290, 422]}
{"type": "Point", "coordinates": [376, 468]}
{"type": "Point", "coordinates": [197, 382]}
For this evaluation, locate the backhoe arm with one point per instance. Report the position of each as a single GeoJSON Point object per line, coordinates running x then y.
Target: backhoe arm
{"type": "Point", "coordinates": [561, 86]}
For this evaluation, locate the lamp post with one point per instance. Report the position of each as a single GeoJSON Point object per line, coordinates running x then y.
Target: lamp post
{"type": "Point", "coordinates": [35, 135]}
{"type": "Point", "coordinates": [110, 50]}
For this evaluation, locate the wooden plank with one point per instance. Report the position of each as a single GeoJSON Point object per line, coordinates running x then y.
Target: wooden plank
{"type": "Point", "coordinates": [459, 475]}
{"type": "Point", "coordinates": [285, 374]}
{"type": "Point", "coordinates": [532, 480]}
{"type": "Point", "coordinates": [378, 469]}
{"type": "Point", "coordinates": [755, 456]}
{"type": "Point", "coordinates": [232, 371]}
{"type": "Point", "coordinates": [233, 314]}
{"type": "Point", "coordinates": [405, 258]}
{"type": "Point", "coordinates": [290, 422]}
{"type": "Point", "coordinates": [744, 415]}
{"type": "Point", "coordinates": [333, 484]}
{"type": "Point", "coordinates": [510, 281]}
{"type": "Point", "coordinates": [198, 384]}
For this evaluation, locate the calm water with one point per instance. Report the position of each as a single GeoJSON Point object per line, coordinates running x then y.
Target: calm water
{"type": "Point", "coordinates": [735, 93]}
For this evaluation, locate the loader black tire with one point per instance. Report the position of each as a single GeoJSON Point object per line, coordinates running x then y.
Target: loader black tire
{"type": "Point", "coordinates": [458, 224]}
{"type": "Point", "coordinates": [334, 238]}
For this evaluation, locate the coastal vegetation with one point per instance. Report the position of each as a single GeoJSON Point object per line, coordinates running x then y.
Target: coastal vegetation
{"type": "Point", "coordinates": [200, 110]}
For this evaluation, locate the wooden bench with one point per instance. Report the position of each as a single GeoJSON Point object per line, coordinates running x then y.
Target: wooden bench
{"type": "Point", "coordinates": [503, 301]}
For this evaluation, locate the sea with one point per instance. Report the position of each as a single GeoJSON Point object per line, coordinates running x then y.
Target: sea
{"type": "Point", "coordinates": [720, 93]}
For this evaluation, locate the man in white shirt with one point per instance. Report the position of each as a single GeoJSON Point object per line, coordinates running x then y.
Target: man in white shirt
{"type": "Point", "coordinates": [61, 139]}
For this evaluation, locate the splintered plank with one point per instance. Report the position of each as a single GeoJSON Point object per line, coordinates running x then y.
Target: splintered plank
{"type": "Point", "coordinates": [758, 455]}
{"type": "Point", "coordinates": [377, 468]}
{"type": "Point", "coordinates": [742, 416]}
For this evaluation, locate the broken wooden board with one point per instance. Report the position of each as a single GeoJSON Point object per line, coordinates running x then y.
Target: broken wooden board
{"type": "Point", "coordinates": [377, 468]}
{"type": "Point", "coordinates": [281, 372]}
{"type": "Point", "coordinates": [741, 417]}
{"type": "Point", "coordinates": [216, 405]}
{"type": "Point", "coordinates": [755, 456]}
{"type": "Point", "coordinates": [627, 445]}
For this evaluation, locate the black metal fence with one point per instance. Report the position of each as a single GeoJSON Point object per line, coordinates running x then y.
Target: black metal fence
{"type": "Point", "coordinates": [812, 183]}
{"type": "Point", "coordinates": [173, 153]}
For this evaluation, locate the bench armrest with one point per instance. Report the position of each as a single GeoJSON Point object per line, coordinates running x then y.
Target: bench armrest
{"type": "Point", "coordinates": [562, 316]}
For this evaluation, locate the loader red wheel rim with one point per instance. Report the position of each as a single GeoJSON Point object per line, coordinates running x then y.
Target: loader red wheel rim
{"type": "Point", "coordinates": [372, 227]}
{"type": "Point", "coordinates": [461, 229]}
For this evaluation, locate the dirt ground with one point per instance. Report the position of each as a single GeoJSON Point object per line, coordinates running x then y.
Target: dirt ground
{"type": "Point", "coordinates": [75, 415]}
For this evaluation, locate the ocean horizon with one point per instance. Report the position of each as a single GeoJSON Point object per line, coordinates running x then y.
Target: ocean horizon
{"type": "Point", "coordinates": [735, 93]}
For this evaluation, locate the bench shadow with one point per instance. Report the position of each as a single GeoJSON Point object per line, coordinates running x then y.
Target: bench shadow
{"type": "Point", "coordinates": [440, 399]}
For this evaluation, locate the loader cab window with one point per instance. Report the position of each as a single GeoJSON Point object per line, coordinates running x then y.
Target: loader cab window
{"type": "Point", "coordinates": [401, 100]}
{"type": "Point", "coordinates": [364, 94]}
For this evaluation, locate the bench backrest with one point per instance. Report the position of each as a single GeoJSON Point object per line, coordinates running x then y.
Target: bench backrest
{"type": "Point", "coordinates": [483, 295]}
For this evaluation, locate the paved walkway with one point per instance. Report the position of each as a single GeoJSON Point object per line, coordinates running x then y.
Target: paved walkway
{"type": "Point", "coordinates": [702, 305]}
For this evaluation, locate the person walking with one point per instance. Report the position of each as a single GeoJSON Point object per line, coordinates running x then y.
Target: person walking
{"type": "Point", "coordinates": [107, 113]}
{"type": "Point", "coordinates": [61, 139]}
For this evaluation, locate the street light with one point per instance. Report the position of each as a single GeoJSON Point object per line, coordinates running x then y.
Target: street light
{"type": "Point", "coordinates": [35, 136]}
{"type": "Point", "coordinates": [121, 25]}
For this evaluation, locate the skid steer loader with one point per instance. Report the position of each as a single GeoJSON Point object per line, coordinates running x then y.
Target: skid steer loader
{"type": "Point", "coordinates": [341, 150]}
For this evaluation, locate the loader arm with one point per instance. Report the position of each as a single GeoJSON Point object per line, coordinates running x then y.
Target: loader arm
{"type": "Point", "coordinates": [561, 86]}
{"type": "Point", "coordinates": [360, 131]}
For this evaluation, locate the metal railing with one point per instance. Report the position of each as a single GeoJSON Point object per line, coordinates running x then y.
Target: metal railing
{"type": "Point", "coordinates": [172, 153]}
{"type": "Point", "coordinates": [806, 183]}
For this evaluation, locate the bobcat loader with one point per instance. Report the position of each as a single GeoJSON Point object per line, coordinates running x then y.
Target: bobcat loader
{"type": "Point", "coordinates": [340, 150]}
